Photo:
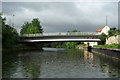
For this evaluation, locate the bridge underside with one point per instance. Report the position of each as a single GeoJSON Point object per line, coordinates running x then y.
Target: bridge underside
{"type": "Point", "coordinates": [62, 40]}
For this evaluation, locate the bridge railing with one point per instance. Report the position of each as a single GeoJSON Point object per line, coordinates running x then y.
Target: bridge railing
{"type": "Point", "coordinates": [61, 33]}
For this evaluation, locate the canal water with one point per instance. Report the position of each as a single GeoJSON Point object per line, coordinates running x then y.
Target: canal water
{"type": "Point", "coordinates": [58, 63]}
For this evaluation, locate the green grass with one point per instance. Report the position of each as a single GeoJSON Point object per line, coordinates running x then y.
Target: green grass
{"type": "Point", "coordinates": [108, 46]}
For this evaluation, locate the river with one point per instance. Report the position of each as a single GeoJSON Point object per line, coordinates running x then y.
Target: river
{"type": "Point", "coordinates": [58, 63]}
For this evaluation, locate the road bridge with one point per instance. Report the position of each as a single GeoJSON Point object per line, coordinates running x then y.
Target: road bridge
{"type": "Point", "coordinates": [61, 37]}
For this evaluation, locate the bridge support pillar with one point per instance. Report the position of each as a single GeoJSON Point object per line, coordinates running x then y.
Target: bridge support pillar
{"type": "Point", "coordinates": [89, 49]}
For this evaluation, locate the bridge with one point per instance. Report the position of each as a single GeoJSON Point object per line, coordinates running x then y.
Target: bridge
{"type": "Point", "coordinates": [61, 37]}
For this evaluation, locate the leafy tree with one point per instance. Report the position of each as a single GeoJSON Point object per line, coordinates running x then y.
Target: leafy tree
{"type": "Point", "coordinates": [70, 45]}
{"type": "Point", "coordinates": [31, 28]}
{"type": "Point", "coordinates": [9, 34]}
{"type": "Point", "coordinates": [113, 32]}
{"type": "Point", "coordinates": [103, 37]}
{"type": "Point", "coordinates": [74, 30]}
{"type": "Point", "coordinates": [1, 20]}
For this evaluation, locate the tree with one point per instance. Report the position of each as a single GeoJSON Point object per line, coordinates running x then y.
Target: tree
{"type": "Point", "coordinates": [9, 34]}
{"type": "Point", "coordinates": [113, 32]}
{"type": "Point", "coordinates": [71, 45]}
{"type": "Point", "coordinates": [74, 30]}
{"type": "Point", "coordinates": [103, 37]}
{"type": "Point", "coordinates": [31, 28]}
{"type": "Point", "coordinates": [1, 22]}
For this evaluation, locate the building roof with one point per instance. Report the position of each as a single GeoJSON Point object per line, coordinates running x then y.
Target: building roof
{"type": "Point", "coordinates": [100, 29]}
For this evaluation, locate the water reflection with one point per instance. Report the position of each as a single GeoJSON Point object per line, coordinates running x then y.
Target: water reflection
{"type": "Point", "coordinates": [109, 66]}
{"type": "Point", "coordinates": [58, 63]}
{"type": "Point", "coordinates": [88, 55]}
{"type": "Point", "coordinates": [31, 64]}
{"type": "Point", "coordinates": [9, 64]}
{"type": "Point", "coordinates": [21, 65]}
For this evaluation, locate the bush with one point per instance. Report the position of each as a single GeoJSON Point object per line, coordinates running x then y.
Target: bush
{"type": "Point", "coordinates": [108, 46]}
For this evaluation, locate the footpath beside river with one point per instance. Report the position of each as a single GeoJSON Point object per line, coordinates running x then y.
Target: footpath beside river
{"type": "Point", "coordinates": [110, 52]}
{"type": "Point", "coordinates": [112, 49]}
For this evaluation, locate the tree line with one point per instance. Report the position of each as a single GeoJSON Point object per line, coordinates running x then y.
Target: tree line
{"type": "Point", "coordinates": [10, 36]}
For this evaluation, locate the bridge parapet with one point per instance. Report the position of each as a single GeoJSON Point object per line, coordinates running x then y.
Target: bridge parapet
{"type": "Point", "coordinates": [60, 33]}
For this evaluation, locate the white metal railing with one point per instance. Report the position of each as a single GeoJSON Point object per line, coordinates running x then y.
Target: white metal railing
{"type": "Point", "coordinates": [61, 33]}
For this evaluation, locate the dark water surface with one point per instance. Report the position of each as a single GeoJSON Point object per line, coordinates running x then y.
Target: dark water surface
{"type": "Point", "coordinates": [58, 63]}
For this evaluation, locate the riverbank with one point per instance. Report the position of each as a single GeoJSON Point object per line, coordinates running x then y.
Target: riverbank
{"type": "Point", "coordinates": [114, 46]}
{"type": "Point", "coordinates": [110, 52]}
{"type": "Point", "coordinates": [21, 47]}
{"type": "Point", "coordinates": [112, 49]}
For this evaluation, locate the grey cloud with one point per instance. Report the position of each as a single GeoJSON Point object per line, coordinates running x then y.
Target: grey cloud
{"type": "Point", "coordinates": [9, 7]}
{"type": "Point", "coordinates": [63, 16]}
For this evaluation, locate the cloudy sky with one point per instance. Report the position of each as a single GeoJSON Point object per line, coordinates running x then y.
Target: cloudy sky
{"type": "Point", "coordinates": [62, 16]}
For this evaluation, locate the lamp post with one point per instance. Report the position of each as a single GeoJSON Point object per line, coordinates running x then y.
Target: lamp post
{"type": "Point", "coordinates": [106, 20]}
{"type": "Point", "coordinates": [106, 26]}
{"type": "Point", "coordinates": [13, 20]}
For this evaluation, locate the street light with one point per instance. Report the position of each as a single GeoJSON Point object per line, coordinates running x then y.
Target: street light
{"type": "Point", "coordinates": [13, 20]}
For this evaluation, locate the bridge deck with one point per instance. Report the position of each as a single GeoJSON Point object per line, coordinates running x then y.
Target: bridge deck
{"type": "Point", "coordinates": [75, 36]}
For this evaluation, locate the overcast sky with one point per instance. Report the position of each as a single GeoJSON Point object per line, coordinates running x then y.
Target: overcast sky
{"type": "Point", "coordinates": [62, 16]}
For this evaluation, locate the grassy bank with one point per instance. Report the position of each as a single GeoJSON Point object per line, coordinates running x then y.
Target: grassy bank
{"type": "Point", "coordinates": [108, 46]}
